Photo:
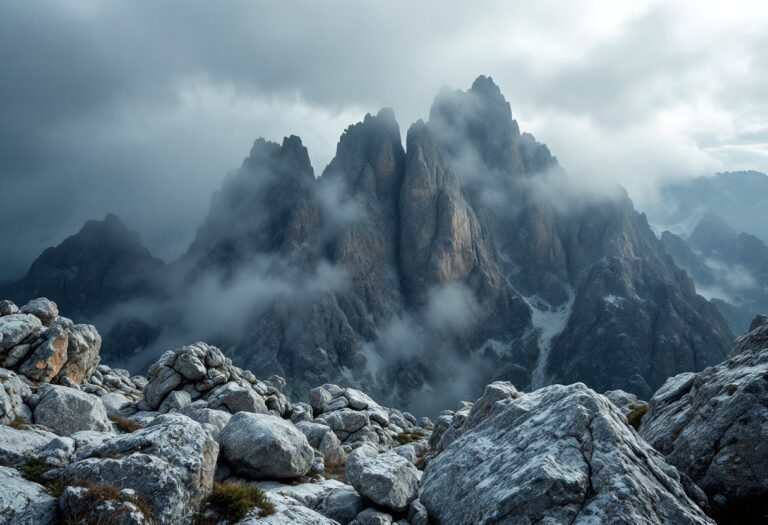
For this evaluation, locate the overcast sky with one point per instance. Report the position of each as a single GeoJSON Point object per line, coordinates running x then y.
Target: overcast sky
{"type": "Point", "coordinates": [142, 107]}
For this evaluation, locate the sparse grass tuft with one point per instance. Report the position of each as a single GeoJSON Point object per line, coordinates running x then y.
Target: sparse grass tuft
{"type": "Point", "coordinates": [337, 472]}
{"type": "Point", "coordinates": [407, 436]}
{"type": "Point", "coordinates": [125, 424]}
{"type": "Point", "coordinates": [231, 501]}
{"type": "Point", "coordinates": [19, 423]}
{"type": "Point", "coordinates": [636, 416]}
{"type": "Point", "coordinates": [34, 469]}
{"type": "Point", "coordinates": [97, 493]}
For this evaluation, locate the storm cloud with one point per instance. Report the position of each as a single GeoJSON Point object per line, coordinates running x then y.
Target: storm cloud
{"type": "Point", "coordinates": [142, 108]}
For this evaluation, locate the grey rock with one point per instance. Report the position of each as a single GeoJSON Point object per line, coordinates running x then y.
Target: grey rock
{"type": "Point", "coordinates": [288, 511]}
{"type": "Point", "coordinates": [236, 397]}
{"type": "Point", "coordinates": [417, 513]}
{"type": "Point", "coordinates": [263, 446]}
{"type": "Point", "coordinates": [217, 419]}
{"type": "Point", "coordinates": [170, 463]}
{"type": "Point", "coordinates": [301, 412]}
{"type": "Point", "coordinates": [344, 420]}
{"type": "Point", "coordinates": [83, 346]}
{"type": "Point", "coordinates": [47, 358]}
{"type": "Point", "coordinates": [116, 404]}
{"type": "Point", "coordinates": [162, 380]}
{"type": "Point", "coordinates": [17, 445]}
{"type": "Point", "coordinates": [14, 395]}
{"type": "Point", "coordinates": [16, 328]}
{"type": "Point", "coordinates": [42, 308]}
{"type": "Point", "coordinates": [190, 366]}
{"type": "Point", "coordinates": [389, 480]}
{"type": "Point", "coordinates": [321, 395]}
{"type": "Point", "coordinates": [8, 308]}
{"type": "Point", "coordinates": [562, 454]}
{"type": "Point", "coordinates": [323, 439]}
{"type": "Point", "coordinates": [331, 498]}
{"type": "Point", "coordinates": [175, 401]}
{"type": "Point", "coordinates": [78, 505]}
{"type": "Point", "coordinates": [372, 517]}
{"type": "Point", "coordinates": [24, 502]}
{"type": "Point", "coordinates": [66, 411]}
{"type": "Point", "coordinates": [713, 426]}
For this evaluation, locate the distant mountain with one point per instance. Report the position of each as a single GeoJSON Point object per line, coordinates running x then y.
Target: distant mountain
{"type": "Point", "coordinates": [102, 265]}
{"type": "Point", "coordinates": [740, 197]}
{"type": "Point", "coordinates": [728, 266]}
{"type": "Point", "coordinates": [434, 267]}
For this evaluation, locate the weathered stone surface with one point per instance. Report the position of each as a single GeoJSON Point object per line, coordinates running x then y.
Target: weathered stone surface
{"type": "Point", "coordinates": [714, 427]}
{"type": "Point", "coordinates": [388, 479]}
{"type": "Point", "coordinates": [42, 308]}
{"type": "Point", "coordinates": [15, 328]}
{"type": "Point", "coordinates": [170, 463]}
{"type": "Point", "coordinates": [83, 345]}
{"type": "Point", "coordinates": [8, 308]}
{"type": "Point", "coordinates": [23, 502]}
{"type": "Point", "coordinates": [13, 393]}
{"type": "Point", "coordinates": [288, 511]}
{"type": "Point", "coordinates": [236, 397]}
{"type": "Point", "coordinates": [66, 411]}
{"type": "Point", "coordinates": [323, 439]}
{"type": "Point", "coordinates": [372, 517]}
{"type": "Point", "coordinates": [331, 498]}
{"type": "Point", "coordinates": [190, 366]}
{"type": "Point", "coordinates": [17, 444]}
{"type": "Point", "coordinates": [262, 446]}
{"type": "Point", "coordinates": [162, 380]}
{"type": "Point", "coordinates": [344, 420]}
{"type": "Point", "coordinates": [117, 404]}
{"type": "Point", "coordinates": [48, 358]}
{"type": "Point", "coordinates": [562, 454]}
{"type": "Point", "coordinates": [80, 506]}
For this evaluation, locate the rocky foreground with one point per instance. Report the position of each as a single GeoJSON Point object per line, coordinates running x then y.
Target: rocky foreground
{"type": "Point", "coordinates": [202, 441]}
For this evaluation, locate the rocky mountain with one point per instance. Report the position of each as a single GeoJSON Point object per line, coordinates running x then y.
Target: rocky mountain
{"type": "Point", "coordinates": [199, 440]}
{"type": "Point", "coordinates": [728, 266]}
{"type": "Point", "coordinates": [464, 257]}
{"type": "Point", "coordinates": [739, 197]}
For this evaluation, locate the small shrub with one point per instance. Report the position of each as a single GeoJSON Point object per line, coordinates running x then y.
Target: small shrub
{"type": "Point", "coordinates": [407, 436]}
{"type": "Point", "coordinates": [635, 417]}
{"type": "Point", "coordinates": [125, 424]}
{"type": "Point", "coordinates": [231, 501]}
{"type": "Point", "coordinates": [19, 423]}
{"type": "Point", "coordinates": [337, 472]}
{"type": "Point", "coordinates": [34, 469]}
{"type": "Point", "coordinates": [97, 493]}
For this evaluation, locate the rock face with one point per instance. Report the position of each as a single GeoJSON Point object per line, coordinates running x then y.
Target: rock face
{"type": "Point", "coordinates": [402, 269]}
{"type": "Point", "coordinates": [66, 411]}
{"type": "Point", "coordinates": [734, 263]}
{"type": "Point", "coordinates": [562, 454]}
{"type": "Point", "coordinates": [713, 426]}
{"type": "Point", "coordinates": [262, 446]}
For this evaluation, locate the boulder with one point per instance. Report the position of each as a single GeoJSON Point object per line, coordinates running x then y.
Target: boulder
{"type": "Point", "coordinates": [83, 345]}
{"type": "Point", "coordinates": [236, 397]}
{"type": "Point", "coordinates": [372, 517]}
{"type": "Point", "coordinates": [13, 394]}
{"type": "Point", "coordinates": [8, 308]}
{"type": "Point", "coordinates": [389, 480]}
{"type": "Point", "coordinates": [42, 308]}
{"type": "Point", "coordinates": [116, 404]}
{"type": "Point", "coordinates": [16, 328]}
{"type": "Point", "coordinates": [162, 380]}
{"type": "Point", "coordinates": [66, 410]}
{"type": "Point", "coordinates": [48, 357]}
{"type": "Point", "coordinates": [18, 444]}
{"type": "Point", "coordinates": [86, 505]}
{"type": "Point", "coordinates": [190, 366]}
{"type": "Point", "coordinates": [713, 426]}
{"type": "Point", "coordinates": [24, 502]}
{"type": "Point", "coordinates": [322, 438]}
{"type": "Point", "coordinates": [170, 464]}
{"type": "Point", "coordinates": [333, 499]}
{"type": "Point", "coordinates": [344, 420]}
{"type": "Point", "coordinates": [263, 446]}
{"type": "Point", "coordinates": [561, 454]}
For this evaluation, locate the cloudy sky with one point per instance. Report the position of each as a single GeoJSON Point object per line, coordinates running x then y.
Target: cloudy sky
{"type": "Point", "coordinates": [141, 108]}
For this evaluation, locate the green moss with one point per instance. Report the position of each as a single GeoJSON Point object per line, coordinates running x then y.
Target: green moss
{"type": "Point", "coordinates": [231, 501]}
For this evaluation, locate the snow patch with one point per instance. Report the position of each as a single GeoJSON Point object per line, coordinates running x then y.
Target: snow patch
{"type": "Point", "coordinates": [548, 321]}
{"type": "Point", "coordinates": [614, 300]}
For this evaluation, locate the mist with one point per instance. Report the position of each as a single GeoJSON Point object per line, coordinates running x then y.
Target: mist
{"type": "Point", "coordinates": [150, 113]}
